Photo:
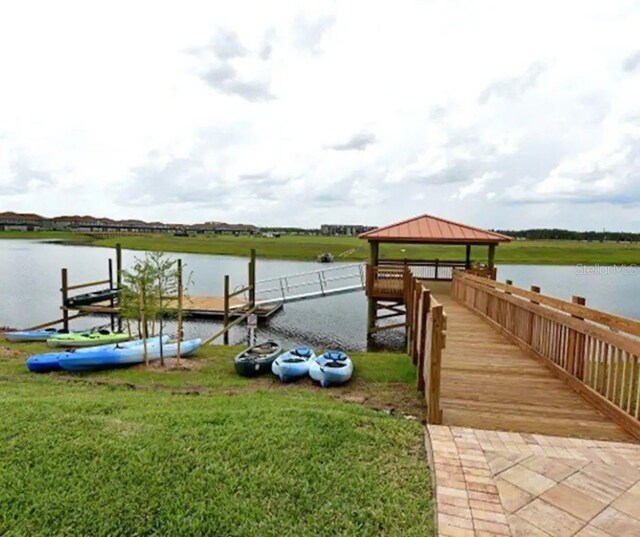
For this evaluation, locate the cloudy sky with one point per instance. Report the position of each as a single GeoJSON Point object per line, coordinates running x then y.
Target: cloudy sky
{"type": "Point", "coordinates": [500, 114]}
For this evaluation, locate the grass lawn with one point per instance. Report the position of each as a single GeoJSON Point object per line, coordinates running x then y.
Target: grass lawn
{"type": "Point", "coordinates": [354, 249]}
{"type": "Point", "coordinates": [201, 451]}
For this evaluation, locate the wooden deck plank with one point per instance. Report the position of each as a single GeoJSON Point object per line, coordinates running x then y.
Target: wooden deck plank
{"type": "Point", "coordinates": [489, 383]}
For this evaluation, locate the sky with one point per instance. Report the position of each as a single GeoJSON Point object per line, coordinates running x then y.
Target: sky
{"type": "Point", "coordinates": [498, 114]}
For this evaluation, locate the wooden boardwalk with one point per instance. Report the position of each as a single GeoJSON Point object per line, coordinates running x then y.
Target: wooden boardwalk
{"type": "Point", "coordinates": [489, 383]}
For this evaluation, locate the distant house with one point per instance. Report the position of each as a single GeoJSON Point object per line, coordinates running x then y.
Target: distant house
{"type": "Point", "coordinates": [224, 229]}
{"type": "Point", "coordinates": [10, 221]}
{"type": "Point", "coordinates": [344, 229]}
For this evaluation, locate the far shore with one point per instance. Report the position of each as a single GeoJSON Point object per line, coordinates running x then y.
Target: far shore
{"type": "Point", "coordinates": [309, 247]}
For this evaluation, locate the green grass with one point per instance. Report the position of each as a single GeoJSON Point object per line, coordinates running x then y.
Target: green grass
{"type": "Point", "coordinates": [354, 249]}
{"type": "Point", "coordinates": [142, 452]}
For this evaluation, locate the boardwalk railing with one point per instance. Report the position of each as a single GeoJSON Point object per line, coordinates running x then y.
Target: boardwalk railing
{"type": "Point", "coordinates": [436, 269]}
{"type": "Point", "coordinates": [595, 352]}
{"type": "Point", "coordinates": [426, 339]}
{"type": "Point", "coordinates": [387, 279]}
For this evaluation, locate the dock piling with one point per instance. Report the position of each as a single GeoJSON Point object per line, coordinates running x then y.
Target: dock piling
{"type": "Point", "coordinates": [65, 294]}
{"type": "Point", "coordinates": [226, 309]}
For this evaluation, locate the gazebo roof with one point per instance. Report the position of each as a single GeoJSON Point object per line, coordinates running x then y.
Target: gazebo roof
{"type": "Point", "coordinates": [429, 229]}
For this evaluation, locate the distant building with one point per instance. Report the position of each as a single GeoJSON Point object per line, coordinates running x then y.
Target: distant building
{"type": "Point", "coordinates": [344, 229]}
{"type": "Point", "coordinates": [10, 221]}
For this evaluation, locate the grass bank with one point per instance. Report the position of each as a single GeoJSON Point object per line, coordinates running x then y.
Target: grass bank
{"type": "Point", "coordinates": [200, 451]}
{"type": "Point", "coordinates": [354, 249]}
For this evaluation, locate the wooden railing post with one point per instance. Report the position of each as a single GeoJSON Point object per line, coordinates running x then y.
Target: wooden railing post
{"type": "Point", "coordinates": [508, 282]}
{"type": "Point", "coordinates": [425, 299]}
{"type": "Point", "coordinates": [436, 268]}
{"type": "Point", "coordinates": [578, 353]}
{"type": "Point", "coordinates": [535, 289]}
{"type": "Point", "coordinates": [438, 327]}
{"type": "Point", "coordinates": [532, 317]}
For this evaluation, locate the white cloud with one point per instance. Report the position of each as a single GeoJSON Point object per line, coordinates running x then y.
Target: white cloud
{"type": "Point", "coordinates": [360, 111]}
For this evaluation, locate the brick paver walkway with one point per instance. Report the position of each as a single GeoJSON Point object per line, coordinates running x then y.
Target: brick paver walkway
{"type": "Point", "coordinates": [516, 484]}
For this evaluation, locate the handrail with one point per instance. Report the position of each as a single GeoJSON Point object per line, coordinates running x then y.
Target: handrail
{"type": "Point", "coordinates": [426, 339]}
{"type": "Point", "coordinates": [611, 320]}
{"type": "Point", "coordinates": [306, 273]}
{"type": "Point", "coordinates": [586, 348]}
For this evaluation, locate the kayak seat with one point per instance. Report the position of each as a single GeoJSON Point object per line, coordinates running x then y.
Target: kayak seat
{"type": "Point", "coordinates": [304, 352]}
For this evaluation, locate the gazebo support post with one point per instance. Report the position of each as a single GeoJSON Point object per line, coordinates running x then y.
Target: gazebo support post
{"type": "Point", "coordinates": [491, 259]}
{"type": "Point", "coordinates": [372, 303]}
{"type": "Point", "coordinates": [467, 258]}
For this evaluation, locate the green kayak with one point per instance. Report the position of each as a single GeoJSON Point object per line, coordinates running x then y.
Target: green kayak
{"type": "Point", "coordinates": [87, 339]}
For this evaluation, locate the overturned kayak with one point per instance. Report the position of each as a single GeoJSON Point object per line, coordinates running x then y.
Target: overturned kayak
{"type": "Point", "coordinates": [43, 363]}
{"type": "Point", "coordinates": [87, 339]}
{"type": "Point", "coordinates": [257, 360]}
{"type": "Point", "coordinates": [121, 356]}
{"type": "Point", "coordinates": [331, 368]}
{"type": "Point", "coordinates": [35, 335]}
{"type": "Point", "coordinates": [293, 364]}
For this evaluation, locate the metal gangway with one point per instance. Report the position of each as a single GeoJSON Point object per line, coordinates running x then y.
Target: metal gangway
{"type": "Point", "coordinates": [336, 280]}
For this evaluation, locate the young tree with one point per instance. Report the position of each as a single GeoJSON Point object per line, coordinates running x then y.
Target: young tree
{"type": "Point", "coordinates": [148, 294]}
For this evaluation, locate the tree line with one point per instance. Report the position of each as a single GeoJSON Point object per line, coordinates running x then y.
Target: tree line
{"type": "Point", "coordinates": [565, 234]}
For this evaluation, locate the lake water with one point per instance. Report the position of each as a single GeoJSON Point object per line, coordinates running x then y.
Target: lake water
{"type": "Point", "coordinates": [30, 282]}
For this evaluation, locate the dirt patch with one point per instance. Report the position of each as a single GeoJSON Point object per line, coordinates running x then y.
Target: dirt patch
{"type": "Point", "coordinates": [171, 364]}
{"type": "Point", "coordinates": [8, 353]}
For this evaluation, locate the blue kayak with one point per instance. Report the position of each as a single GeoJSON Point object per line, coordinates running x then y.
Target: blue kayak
{"type": "Point", "coordinates": [331, 368]}
{"type": "Point", "coordinates": [43, 363]}
{"type": "Point", "coordinates": [121, 356]}
{"type": "Point", "coordinates": [293, 364]}
{"type": "Point", "coordinates": [35, 335]}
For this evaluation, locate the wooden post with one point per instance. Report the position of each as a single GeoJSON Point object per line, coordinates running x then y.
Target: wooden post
{"type": "Point", "coordinates": [372, 303]}
{"type": "Point", "coordinates": [467, 262]}
{"type": "Point", "coordinates": [374, 253]}
{"type": "Point", "coordinates": [180, 295]}
{"type": "Point", "coordinates": [143, 318]}
{"type": "Point", "coordinates": [225, 337]}
{"type": "Point", "coordinates": [252, 279]}
{"type": "Point", "coordinates": [434, 413]}
{"type": "Point", "coordinates": [532, 317]}
{"type": "Point", "coordinates": [372, 308]}
{"type": "Point", "coordinates": [535, 289]}
{"type": "Point", "coordinates": [491, 258]}
{"type": "Point", "coordinates": [65, 295]}
{"type": "Point", "coordinates": [436, 272]}
{"type": "Point", "coordinates": [577, 356]}
{"type": "Point", "coordinates": [119, 280]}
{"type": "Point", "coordinates": [111, 299]}
{"type": "Point", "coordinates": [425, 298]}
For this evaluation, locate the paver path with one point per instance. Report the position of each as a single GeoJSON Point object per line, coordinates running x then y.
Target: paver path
{"type": "Point", "coordinates": [520, 484]}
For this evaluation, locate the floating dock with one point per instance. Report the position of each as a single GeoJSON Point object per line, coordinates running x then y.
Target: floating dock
{"type": "Point", "coordinates": [203, 307]}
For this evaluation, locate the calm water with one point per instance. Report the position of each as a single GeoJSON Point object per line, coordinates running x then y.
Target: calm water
{"type": "Point", "coordinates": [30, 280]}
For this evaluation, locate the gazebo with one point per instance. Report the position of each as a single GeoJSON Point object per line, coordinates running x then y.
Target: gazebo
{"type": "Point", "coordinates": [385, 277]}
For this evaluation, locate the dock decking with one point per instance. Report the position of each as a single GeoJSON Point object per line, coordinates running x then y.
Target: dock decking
{"type": "Point", "coordinates": [211, 307]}
{"type": "Point", "coordinates": [489, 383]}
